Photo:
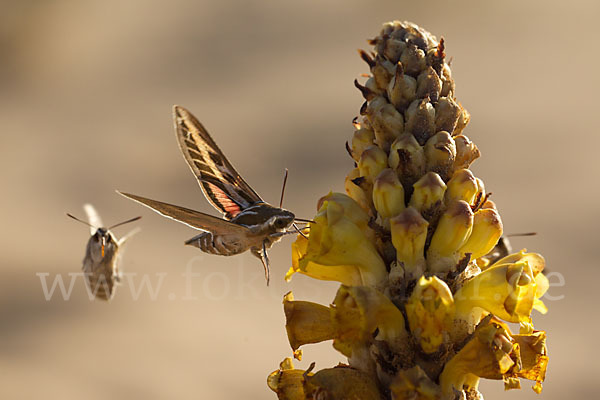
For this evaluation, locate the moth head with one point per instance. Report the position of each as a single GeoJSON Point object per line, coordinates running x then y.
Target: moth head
{"type": "Point", "coordinates": [281, 221]}
{"type": "Point", "coordinates": [104, 239]}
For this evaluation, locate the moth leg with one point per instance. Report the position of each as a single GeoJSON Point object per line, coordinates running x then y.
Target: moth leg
{"type": "Point", "coordinates": [264, 257]}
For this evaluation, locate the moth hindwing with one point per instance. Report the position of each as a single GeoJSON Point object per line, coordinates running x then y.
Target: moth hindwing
{"type": "Point", "coordinates": [248, 223]}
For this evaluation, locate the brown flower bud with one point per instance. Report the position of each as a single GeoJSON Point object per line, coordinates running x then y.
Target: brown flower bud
{"type": "Point", "coordinates": [429, 85]}
{"type": "Point", "coordinates": [466, 152]}
{"type": "Point", "coordinates": [440, 153]}
{"type": "Point", "coordinates": [447, 113]}
{"type": "Point", "coordinates": [402, 89]}
{"type": "Point", "coordinates": [413, 60]}
{"type": "Point", "coordinates": [420, 120]}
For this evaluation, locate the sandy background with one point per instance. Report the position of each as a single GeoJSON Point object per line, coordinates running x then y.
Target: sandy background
{"type": "Point", "coordinates": [85, 99]}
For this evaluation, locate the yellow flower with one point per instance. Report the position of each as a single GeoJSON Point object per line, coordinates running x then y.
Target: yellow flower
{"type": "Point", "coordinates": [462, 186]}
{"type": "Point", "coordinates": [341, 382]}
{"type": "Point", "coordinates": [355, 315]}
{"type": "Point", "coordinates": [414, 384]}
{"type": "Point", "coordinates": [505, 290]}
{"type": "Point", "coordinates": [453, 230]}
{"type": "Point", "coordinates": [351, 210]}
{"type": "Point", "coordinates": [534, 357]}
{"type": "Point", "coordinates": [372, 161]}
{"type": "Point", "coordinates": [487, 229]}
{"type": "Point", "coordinates": [358, 312]}
{"type": "Point", "coordinates": [388, 196]}
{"type": "Point", "coordinates": [356, 190]}
{"type": "Point", "coordinates": [430, 310]}
{"type": "Point", "coordinates": [288, 382]}
{"type": "Point", "coordinates": [409, 233]}
{"type": "Point", "coordinates": [362, 139]}
{"type": "Point", "coordinates": [491, 353]}
{"type": "Point", "coordinates": [338, 249]}
{"type": "Point", "coordinates": [306, 322]}
{"type": "Point", "coordinates": [537, 264]}
{"type": "Point", "coordinates": [428, 193]}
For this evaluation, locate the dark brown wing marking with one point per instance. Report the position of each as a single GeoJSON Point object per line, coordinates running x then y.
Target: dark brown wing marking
{"type": "Point", "coordinates": [224, 188]}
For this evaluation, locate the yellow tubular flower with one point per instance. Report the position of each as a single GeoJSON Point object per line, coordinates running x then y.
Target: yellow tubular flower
{"type": "Point", "coordinates": [340, 383]}
{"type": "Point", "coordinates": [430, 310]}
{"type": "Point", "coordinates": [362, 139]}
{"type": "Point", "coordinates": [491, 353]}
{"type": "Point", "coordinates": [355, 191]}
{"type": "Point", "coordinates": [505, 290]}
{"type": "Point", "coordinates": [409, 233]}
{"type": "Point", "coordinates": [480, 189]}
{"type": "Point", "coordinates": [452, 232]}
{"type": "Point", "coordinates": [487, 229]}
{"type": "Point", "coordinates": [388, 195]}
{"type": "Point", "coordinates": [414, 384]}
{"type": "Point", "coordinates": [428, 192]}
{"type": "Point", "coordinates": [534, 357]}
{"type": "Point", "coordinates": [337, 249]}
{"type": "Point", "coordinates": [358, 312]}
{"type": "Point", "coordinates": [372, 161]}
{"type": "Point", "coordinates": [537, 263]}
{"type": "Point", "coordinates": [306, 322]}
{"type": "Point", "coordinates": [351, 209]}
{"type": "Point", "coordinates": [288, 382]}
{"type": "Point", "coordinates": [462, 186]}
{"type": "Point", "coordinates": [355, 315]}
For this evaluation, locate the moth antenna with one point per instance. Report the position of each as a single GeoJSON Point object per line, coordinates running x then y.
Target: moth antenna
{"type": "Point", "coordinates": [82, 221]}
{"type": "Point", "coordinates": [521, 234]}
{"type": "Point", "coordinates": [283, 188]}
{"type": "Point", "coordinates": [125, 222]}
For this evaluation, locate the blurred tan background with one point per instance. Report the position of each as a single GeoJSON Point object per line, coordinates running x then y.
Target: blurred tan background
{"type": "Point", "coordinates": [85, 108]}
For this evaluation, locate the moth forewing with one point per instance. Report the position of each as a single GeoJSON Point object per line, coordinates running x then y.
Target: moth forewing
{"type": "Point", "coordinates": [231, 237]}
{"type": "Point", "coordinates": [93, 218]}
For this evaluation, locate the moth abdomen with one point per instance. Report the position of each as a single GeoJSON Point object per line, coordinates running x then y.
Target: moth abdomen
{"type": "Point", "coordinates": [223, 245]}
